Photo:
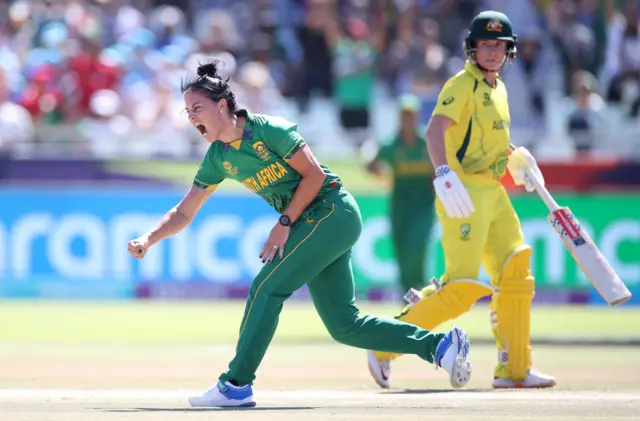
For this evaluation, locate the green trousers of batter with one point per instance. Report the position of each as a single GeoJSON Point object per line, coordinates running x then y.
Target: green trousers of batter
{"type": "Point", "coordinates": [318, 253]}
{"type": "Point", "coordinates": [411, 221]}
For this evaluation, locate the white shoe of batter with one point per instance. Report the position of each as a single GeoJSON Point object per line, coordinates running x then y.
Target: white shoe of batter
{"type": "Point", "coordinates": [534, 380]}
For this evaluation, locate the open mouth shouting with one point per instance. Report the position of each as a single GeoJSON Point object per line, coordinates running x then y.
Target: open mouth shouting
{"type": "Point", "coordinates": [202, 129]}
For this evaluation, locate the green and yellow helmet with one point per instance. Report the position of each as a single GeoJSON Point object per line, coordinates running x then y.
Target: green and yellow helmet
{"type": "Point", "coordinates": [491, 25]}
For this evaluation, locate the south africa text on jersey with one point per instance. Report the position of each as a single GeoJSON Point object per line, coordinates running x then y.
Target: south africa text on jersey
{"type": "Point", "coordinates": [265, 177]}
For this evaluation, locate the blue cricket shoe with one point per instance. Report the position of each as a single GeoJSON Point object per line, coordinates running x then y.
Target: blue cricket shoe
{"type": "Point", "coordinates": [452, 354]}
{"type": "Point", "coordinates": [224, 395]}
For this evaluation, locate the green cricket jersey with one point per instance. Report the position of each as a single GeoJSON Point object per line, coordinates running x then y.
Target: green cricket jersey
{"type": "Point", "coordinates": [411, 167]}
{"type": "Point", "coordinates": [354, 65]}
{"type": "Point", "coordinates": [260, 161]}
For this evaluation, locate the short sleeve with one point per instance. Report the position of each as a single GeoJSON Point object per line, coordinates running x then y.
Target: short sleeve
{"type": "Point", "coordinates": [282, 137]}
{"type": "Point", "coordinates": [208, 175]}
{"type": "Point", "coordinates": [452, 99]}
{"type": "Point", "coordinates": [385, 154]}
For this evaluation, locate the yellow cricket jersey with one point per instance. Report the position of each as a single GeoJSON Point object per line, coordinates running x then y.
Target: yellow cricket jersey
{"type": "Point", "coordinates": [477, 143]}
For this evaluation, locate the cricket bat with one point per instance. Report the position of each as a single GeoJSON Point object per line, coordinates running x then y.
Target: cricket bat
{"type": "Point", "coordinates": [582, 248]}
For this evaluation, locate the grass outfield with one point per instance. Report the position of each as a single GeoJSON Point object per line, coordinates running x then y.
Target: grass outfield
{"type": "Point", "coordinates": [218, 321]}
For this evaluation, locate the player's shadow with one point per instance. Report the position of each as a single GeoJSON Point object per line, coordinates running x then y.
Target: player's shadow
{"type": "Point", "coordinates": [432, 391]}
{"type": "Point", "coordinates": [257, 408]}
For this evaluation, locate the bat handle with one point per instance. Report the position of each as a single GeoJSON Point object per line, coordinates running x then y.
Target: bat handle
{"type": "Point", "coordinates": [542, 190]}
{"type": "Point", "coordinates": [540, 187]}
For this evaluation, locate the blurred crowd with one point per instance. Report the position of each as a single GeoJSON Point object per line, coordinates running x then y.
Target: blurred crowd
{"type": "Point", "coordinates": [103, 76]}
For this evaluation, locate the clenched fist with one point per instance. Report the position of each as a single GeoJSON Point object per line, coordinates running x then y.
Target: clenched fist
{"type": "Point", "coordinates": [138, 247]}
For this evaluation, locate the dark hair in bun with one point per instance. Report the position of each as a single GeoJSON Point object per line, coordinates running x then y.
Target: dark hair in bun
{"type": "Point", "coordinates": [210, 83]}
{"type": "Point", "coordinates": [209, 69]}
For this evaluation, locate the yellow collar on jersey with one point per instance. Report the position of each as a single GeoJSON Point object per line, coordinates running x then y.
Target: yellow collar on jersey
{"type": "Point", "coordinates": [475, 72]}
{"type": "Point", "coordinates": [248, 128]}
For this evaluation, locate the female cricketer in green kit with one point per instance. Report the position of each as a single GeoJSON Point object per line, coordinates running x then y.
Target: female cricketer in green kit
{"type": "Point", "coordinates": [412, 196]}
{"type": "Point", "coordinates": [310, 243]}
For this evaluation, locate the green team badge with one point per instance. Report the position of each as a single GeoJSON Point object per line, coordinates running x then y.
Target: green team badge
{"type": "Point", "coordinates": [465, 230]}
{"type": "Point", "coordinates": [499, 166]}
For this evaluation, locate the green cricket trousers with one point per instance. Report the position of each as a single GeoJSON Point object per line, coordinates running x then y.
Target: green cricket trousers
{"type": "Point", "coordinates": [411, 223]}
{"type": "Point", "coordinates": [318, 253]}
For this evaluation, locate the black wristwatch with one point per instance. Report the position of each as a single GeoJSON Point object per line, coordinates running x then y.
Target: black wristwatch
{"type": "Point", "coordinates": [285, 220]}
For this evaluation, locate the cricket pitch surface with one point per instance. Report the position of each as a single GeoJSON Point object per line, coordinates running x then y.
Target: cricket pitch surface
{"type": "Point", "coordinates": [310, 382]}
{"type": "Point", "coordinates": [98, 405]}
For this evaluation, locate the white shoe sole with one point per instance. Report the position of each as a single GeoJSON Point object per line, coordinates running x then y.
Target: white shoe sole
{"type": "Point", "coordinates": [202, 402]}
{"type": "Point", "coordinates": [512, 385]}
{"type": "Point", "coordinates": [376, 371]}
{"type": "Point", "coordinates": [461, 371]}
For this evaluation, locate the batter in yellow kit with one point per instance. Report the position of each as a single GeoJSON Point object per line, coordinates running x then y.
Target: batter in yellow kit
{"type": "Point", "coordinates": [468, 140]}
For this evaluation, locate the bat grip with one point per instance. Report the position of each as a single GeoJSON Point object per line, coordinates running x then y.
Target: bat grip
{"type": "Point", "coordinates": [542, 190]}
{"type": "Point", "coordinates": [539, 185]}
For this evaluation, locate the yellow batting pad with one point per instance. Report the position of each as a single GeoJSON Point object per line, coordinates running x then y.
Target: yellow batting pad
{"type": "Point", "coordinates": [439, 305]}
{"type": "Point", "coordinates": [510, 316]}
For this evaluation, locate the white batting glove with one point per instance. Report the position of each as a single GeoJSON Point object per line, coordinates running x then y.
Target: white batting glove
{"type": "Point", "coordinates": [518, 163]}
{"type": "Point", "coordinates": [452, 193]}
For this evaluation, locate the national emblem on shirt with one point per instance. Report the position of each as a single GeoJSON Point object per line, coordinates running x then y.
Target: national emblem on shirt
{"type": "Point", "coordinates": [262, 151]}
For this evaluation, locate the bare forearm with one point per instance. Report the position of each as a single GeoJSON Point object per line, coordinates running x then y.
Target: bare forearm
{"type": "Point", "coordinates": [307, 190]}
{"type": "Point", "coordinates": [436, 147]}
{"type": "Point", "coordinates": [172, 223]}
